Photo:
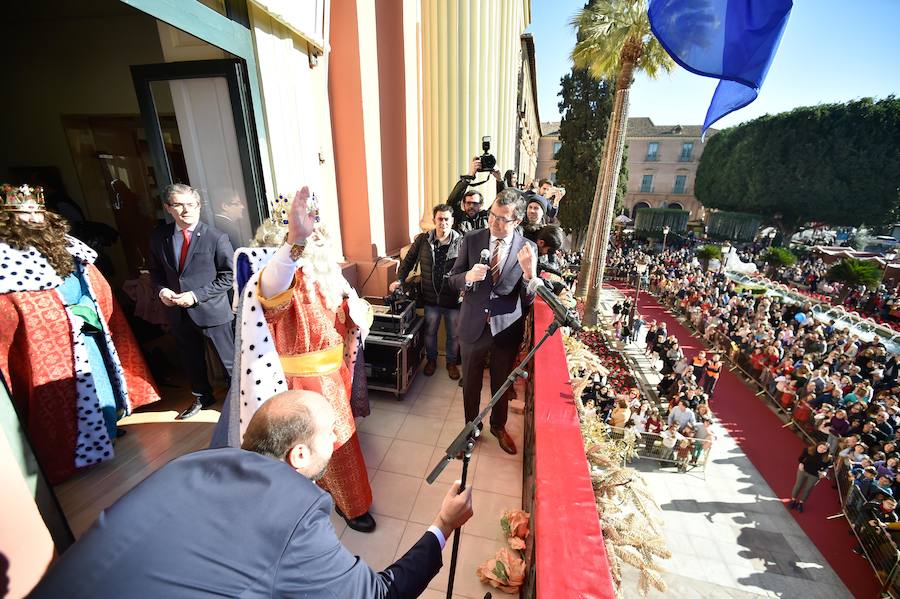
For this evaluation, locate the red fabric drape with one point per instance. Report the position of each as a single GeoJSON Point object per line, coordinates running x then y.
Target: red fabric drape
{"type": "Point", "coordinates": [570, 553]}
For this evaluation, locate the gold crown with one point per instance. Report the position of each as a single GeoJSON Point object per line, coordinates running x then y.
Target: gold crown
{"type": "Point", "coordinates": [22, 199]}
{"type": "Point", "coordinates": [281, 207]}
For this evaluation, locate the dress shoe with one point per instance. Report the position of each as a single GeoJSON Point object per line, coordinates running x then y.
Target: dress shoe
{"type": "Point", "coordinates": [792, 504]}
{"type": "Point", "coordinates": [364, 523]}
{"type": "Point", "coordinates": [506, 442]}
{"type": "Point", "coordinates": [430, 367]}
{"type": "Point", "coordinates": [800, 507]}
{"type": "Point", "coordinates": [453, 371]}
{"type": "Point", "coordinates": [203, 401]}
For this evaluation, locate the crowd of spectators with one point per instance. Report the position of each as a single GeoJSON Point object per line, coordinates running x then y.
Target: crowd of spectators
{"type": "Point", "coordinates": [808, 275]}
{"type": "Point", "coordinates": [848, 386]}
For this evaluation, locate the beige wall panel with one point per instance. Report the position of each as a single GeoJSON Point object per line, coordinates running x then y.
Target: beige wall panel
{"type": "Point", "coordinates": [470, 82]}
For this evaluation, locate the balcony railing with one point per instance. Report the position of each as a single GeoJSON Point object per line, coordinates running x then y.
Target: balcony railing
{"type": "Point", "coordinates": [685, 158]}
{"type": "Point", "coordinates": [651, 158]}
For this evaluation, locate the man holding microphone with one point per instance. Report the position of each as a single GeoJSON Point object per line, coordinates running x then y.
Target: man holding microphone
{"type": "Point", "coordinates": [495, 300]}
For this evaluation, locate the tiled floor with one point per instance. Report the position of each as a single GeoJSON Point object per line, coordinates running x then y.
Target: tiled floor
{"type": "Point", "coordinates": [402, 442]}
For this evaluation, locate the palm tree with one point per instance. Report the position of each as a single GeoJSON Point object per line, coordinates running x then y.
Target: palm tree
{"type": "Point", "coordinates": [853, 273]}
{"type": "Point", "coordinates": [776, 257]}
{"type": "Point", "coordinates": [614, 41]}
{"type": "Point", "coordinates": [706, 253]}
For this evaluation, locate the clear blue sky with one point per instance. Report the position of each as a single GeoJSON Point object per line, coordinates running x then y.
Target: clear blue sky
{"type": "Point", "coordinates": [832, 51]}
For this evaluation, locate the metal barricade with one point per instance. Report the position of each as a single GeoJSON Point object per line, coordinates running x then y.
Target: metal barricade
{"type": "Point", "coordinates": [649, 446]}
{"type": "Point", "coordinates": [878, 545]}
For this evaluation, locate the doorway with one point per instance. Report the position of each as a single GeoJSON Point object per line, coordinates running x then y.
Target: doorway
{"type": "Point", "coordinates": [212, 146]}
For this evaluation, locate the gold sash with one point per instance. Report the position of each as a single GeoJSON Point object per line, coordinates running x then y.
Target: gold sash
{"type": "Point", "coordinates": [316, 363]}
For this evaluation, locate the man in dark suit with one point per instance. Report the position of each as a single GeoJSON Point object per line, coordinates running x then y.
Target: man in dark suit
{"type": "Point", "coordinates": [242, 523]}
{"type": "Point", "coordinates": [495, 301]}
{"type": "Point", "coordinates": [190, 264]}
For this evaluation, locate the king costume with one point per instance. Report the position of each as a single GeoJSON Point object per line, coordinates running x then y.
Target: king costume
{"type": "Point", "coordinates": [66, 351]}
{"type": "Point", "coordinates": [306, 337]}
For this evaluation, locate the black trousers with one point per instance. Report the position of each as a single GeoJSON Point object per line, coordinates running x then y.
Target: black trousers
{"type": "Point", "coordinates": [192, 348]}
{"type": "Point", "coordinates": [503, 357]}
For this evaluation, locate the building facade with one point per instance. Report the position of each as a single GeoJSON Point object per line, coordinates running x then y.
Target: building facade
{"type": "Point", "coordinates": [547, 149]}
{"type": "Point", "coordinates": [529, 120]}
{"type": "Point", "coordinates": [662, 166]}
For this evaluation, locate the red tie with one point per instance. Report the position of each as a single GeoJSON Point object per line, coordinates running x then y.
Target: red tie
{"type": "Point", "coordinates": [184, 248]}
{"type": "Point", "coordinates": [495, 261]}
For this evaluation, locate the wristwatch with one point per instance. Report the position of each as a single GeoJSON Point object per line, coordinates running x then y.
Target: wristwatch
{"type": "Point", "coordinates": [296, 249]}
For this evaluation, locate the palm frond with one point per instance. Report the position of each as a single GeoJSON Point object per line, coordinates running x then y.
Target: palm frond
{"type": "Point", "coordinates": [606, 29]}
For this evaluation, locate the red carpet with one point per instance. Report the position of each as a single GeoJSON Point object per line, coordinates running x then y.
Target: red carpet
{"type": "Point", "coordinates": [773, 450]}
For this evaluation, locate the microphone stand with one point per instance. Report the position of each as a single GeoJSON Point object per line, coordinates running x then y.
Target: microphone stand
{"type": "Point", "coordinates": [464, 442]}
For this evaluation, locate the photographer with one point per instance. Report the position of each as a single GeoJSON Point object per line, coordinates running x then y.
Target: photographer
{"type": "Point", "coordinates": [469, 213]}
{"type": "Point", "coordinates": [435, 251]}
{"type": "Point", "coordinates": [550, 265]}
{"type": "Point", "coordinates": [553, 196]}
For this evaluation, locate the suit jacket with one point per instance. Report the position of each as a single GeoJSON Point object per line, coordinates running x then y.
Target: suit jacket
{"type": "Point", "coordinates": [227, 523]}
{"type": "Point", "coordinates": [505, 303]}
{"type": "Point", "coordinates": [207, 273]}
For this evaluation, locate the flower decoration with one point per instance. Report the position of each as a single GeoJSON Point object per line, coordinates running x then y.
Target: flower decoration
{"type": "Point", "coordinates": [515, 523]}
{"type": "Point", "coordinates": [505, 571]}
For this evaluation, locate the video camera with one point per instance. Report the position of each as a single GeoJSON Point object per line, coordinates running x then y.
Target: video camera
{"type": "Point", "coordinates": [488, 161]}
{"type": "Point", "coordinates": [398, 299]}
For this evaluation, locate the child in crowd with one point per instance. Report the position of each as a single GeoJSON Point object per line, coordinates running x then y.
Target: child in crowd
{"type": "Point", "coordinates": [685, 448]}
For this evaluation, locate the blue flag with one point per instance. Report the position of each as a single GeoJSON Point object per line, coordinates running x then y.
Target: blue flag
{"type": "Point", "coordinates": [731, 40]}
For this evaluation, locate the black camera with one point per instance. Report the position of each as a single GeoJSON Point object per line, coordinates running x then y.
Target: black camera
{"type": "Point", "coordinates": [488, 161]}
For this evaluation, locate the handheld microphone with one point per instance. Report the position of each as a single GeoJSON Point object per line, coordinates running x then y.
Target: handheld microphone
{"type": "Point", "coordinates": [562, 315]}
{"type": "Point", "coordinates": [485, 259]}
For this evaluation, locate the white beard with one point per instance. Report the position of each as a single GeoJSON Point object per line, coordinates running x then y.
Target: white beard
{"type": "Point", "coordinates": [319, 266]}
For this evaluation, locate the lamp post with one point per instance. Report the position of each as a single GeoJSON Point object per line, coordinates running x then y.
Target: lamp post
{"type": "Point", "coordinates": [640, 265]}
{"type": "Point", "coordinates": [665, 234]}
{"type": "Point", "coordinates": [771, 235]}
{"type": "Point", "coordinates": [726, 249]}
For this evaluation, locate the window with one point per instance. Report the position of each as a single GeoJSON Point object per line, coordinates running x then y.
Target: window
{"type": "Point", "coordinates": [552, 177]}
{"type": "Point", "coordinates": [556, 146]}
{"type": "Point", "coordinates": [652, 151]}
{"type": "Point", "coordinates": [687, 150]}
{"type": "Point", "coordinates": [680, 180]}
{"type": "Point", "coordinates": [647, 184]}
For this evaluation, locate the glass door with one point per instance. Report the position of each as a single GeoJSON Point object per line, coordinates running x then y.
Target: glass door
{"type": "Point", "coordinates": [200, 131]}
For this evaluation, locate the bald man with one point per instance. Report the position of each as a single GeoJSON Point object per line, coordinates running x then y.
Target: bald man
{"type": "Point", "coordinates": [242, 523]}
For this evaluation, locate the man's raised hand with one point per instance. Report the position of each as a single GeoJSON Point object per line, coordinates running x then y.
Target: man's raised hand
{"type": "Point", "coordinates": [528, 261]}
{"type": "Point", "coordinates": [300, 220]}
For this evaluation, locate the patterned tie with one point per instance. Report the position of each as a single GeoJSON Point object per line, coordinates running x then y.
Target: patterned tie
{"type": "Point", "coordinates": [495, 261]}
{"type": "Point", "coordinates": [184, 248]}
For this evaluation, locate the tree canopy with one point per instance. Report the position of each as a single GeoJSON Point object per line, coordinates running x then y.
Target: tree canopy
{"type": "Point", "coordinates": [585, 105]}
{"type": "Point", "coordinates": [834, 163]}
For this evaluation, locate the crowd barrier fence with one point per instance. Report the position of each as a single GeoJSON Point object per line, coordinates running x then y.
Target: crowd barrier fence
{"type": "Point", "coordinates": [878, 544]}
{"type": "Point", "coordinates": [650, 446]}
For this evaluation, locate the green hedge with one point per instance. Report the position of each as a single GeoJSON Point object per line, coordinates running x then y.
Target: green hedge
{"type": "Point", "coordinates": [736, 226]}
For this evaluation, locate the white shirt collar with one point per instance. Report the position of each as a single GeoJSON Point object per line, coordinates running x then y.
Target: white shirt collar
{"type": "Point", "coordinates": [190, 229]}
{"type": "Point", "coordinates": [506, 240]}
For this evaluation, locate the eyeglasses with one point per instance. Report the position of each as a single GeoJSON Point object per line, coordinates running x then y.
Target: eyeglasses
{"type": "Point", "coordinates": [184, 206]}
{"type": "Point", "coordinates": [501, 219]}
